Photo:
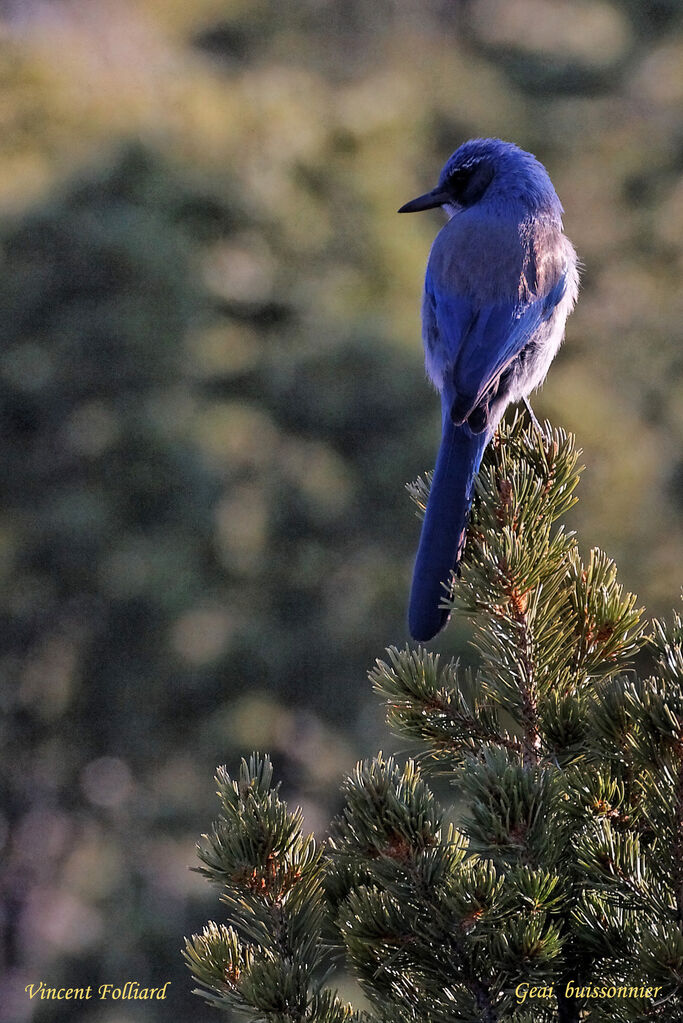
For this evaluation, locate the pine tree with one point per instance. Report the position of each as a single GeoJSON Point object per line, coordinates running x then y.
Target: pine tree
{"type": "Point", "coordinates": [559, 894]}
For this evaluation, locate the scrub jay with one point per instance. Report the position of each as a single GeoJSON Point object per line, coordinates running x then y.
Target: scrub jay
{"type": "Point", "coordinates": [501, 280]}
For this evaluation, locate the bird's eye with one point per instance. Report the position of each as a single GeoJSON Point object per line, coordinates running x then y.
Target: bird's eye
{"type": "Point", "coordinates": [462, 171]}
{"type": "Point", "coordinates": [467, 184]}
{"type": "Point", "coordinates": [459, 177]}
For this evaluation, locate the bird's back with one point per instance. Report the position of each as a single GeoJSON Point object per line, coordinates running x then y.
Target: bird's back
{"type": "Point", "coordinates": [494, 258]}
{"type": "Point", "coordinates": [490, 264]}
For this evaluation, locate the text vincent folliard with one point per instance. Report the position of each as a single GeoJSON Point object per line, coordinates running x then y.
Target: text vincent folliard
{"type": "Point", "coordinates": [130, 990]}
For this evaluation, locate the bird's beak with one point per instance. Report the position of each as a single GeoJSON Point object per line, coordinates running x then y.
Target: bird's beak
{"type": "Point", "coordinates": [426, 202]}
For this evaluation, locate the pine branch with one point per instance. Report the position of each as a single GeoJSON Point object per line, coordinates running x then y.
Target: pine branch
{"type": "Point", "coordinates": [408, 928]}
{"type": "Point", "coordinates": [420, 913]}
{"type": "Point", "coordinates": [443, 707]}
{"type": "Point", "coordinates": [269, 964]}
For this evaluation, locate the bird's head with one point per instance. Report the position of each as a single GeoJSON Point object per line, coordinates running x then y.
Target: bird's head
{"type": "Point", "coordinates": [493, 172]}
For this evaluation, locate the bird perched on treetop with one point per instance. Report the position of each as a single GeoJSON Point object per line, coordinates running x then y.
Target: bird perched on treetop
{"type": "Point", "coordinates": [501, 280]}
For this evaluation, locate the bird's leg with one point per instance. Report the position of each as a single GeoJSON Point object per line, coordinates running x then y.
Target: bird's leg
{"type": "Point", "coordinates": [532, 416]}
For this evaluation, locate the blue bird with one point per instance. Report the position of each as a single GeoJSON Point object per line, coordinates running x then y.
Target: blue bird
{"type": "Point", "coordinates": [501, 280]}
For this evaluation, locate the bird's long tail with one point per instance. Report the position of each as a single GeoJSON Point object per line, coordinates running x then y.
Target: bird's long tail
{"type": "Point", "coordinates": [444, 526]}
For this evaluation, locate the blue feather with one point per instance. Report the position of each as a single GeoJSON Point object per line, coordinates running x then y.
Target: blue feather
{"type": "Point", "coordinates": [482, 342]}
{"type": "Point", "coordinates": [443, 529]}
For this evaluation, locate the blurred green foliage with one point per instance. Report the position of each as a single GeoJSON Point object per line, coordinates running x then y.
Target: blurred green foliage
{"type": "Point", "coordinates": [211, 396]}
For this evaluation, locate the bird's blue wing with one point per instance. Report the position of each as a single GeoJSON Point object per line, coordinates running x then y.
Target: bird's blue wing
{"type": "Point", "coordinates": [470, 345]}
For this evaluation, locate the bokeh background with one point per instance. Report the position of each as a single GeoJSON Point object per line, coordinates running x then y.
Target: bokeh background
{"type": "Point", "coordinates": [212, 394]}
